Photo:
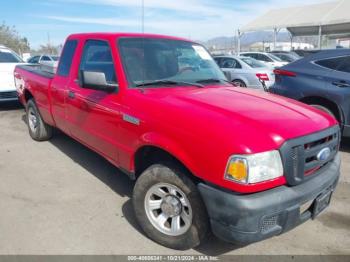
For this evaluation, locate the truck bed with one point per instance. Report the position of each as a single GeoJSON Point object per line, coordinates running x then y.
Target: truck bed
{"type": "Point", "coordinates": [37, 82]}
{"type": "Point", "coordinates": [36, 69]}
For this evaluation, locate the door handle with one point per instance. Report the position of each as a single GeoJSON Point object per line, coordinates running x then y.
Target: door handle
{"type": "Point", "coordinates": [71, 94]}
{"type": "Point", "coordinates": [341, 84]}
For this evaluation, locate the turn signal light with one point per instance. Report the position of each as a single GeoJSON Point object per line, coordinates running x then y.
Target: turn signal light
{"type": "Point", "coordinates": [237, 170]}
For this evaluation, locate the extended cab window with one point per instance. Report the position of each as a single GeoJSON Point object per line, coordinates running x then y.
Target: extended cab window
{"type": "Point", "coordinates": [67, 58]}
{"type": "Point", "coordinates": [97, 57]}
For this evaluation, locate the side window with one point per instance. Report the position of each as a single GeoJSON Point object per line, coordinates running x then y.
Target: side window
{"type": "Point", "coordinates": [97, 57]}
{"type": "Point", "coordinates": [34, 60]}
{"type": "Point", "coordinates": [264, 58]}
{"type": "Point", "coordinates": [237, 64]}
{"type": "Point", "coordinates": [67, 58]}
{"type": "Point", "coordinates": [230, 63]}
{"type": "Point", "coordinates": [345, 67]}
{"type": "Point", "coordinates": [218, 61]}
{"type": "Point", "coordinates": [255, 56]}
{"type": "Point", "coordinates": [45, 58]}
{"type": "Point", "coordinates": [337, 63]}
{"type": "Point", "coordinates": [227, 63]}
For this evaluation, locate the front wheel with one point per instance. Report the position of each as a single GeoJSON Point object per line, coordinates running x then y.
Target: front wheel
{"type": "Point", "coordinates": [169, 207]}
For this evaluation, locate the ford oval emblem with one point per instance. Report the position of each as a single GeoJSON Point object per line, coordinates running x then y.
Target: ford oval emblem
{"type": "Point", "coordinates": [324, 154]}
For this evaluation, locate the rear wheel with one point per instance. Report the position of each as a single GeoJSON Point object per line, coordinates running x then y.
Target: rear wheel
{"type": "Point", "coordinates": [38, 129]}
{"type": "Point", "coordinates": [169, 207]}
{"type": "Point", "coordinates": [239, 83]}
{"type": "Point", "coordinates": [324, 109]}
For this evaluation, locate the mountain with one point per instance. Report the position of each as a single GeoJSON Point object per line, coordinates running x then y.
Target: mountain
{"type": "Point", "coordinates": [247, 39]}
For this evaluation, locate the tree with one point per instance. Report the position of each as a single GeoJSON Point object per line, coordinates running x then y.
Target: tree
{"type": "Point", "coordinates": [11, 39]}
{"type": "Point", "coordinates": [48, 49]}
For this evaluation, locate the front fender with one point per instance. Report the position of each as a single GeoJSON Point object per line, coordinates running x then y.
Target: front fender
{"type": "Point", "coordinates": [168, 145]}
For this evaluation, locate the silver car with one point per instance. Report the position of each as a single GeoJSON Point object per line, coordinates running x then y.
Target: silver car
{"type": "Point", "coordinates": [266, 58]}
{"type": "Point", "coordinates": [246, 71]}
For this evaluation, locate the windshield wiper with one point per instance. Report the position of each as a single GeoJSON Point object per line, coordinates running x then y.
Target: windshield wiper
{"type": "Point", "coordinates": [168, 82]}
{"type": "Point", "coordinates": [214, 80]}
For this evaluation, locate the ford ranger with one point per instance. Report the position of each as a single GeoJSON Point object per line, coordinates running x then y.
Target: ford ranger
{"type": "Point", "coordinates": [206, 156]}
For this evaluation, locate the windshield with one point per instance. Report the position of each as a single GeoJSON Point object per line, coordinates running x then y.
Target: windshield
{"type": "Point", "coordinates": [252, 62]}
{"type": "Point", "coordinates": [148, 60]}
{"type": "Point", "coordinates": [6, 56]}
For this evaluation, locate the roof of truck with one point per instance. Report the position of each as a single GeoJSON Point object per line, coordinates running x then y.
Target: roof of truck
{"type": "Point", "coordinates": [118, 35]}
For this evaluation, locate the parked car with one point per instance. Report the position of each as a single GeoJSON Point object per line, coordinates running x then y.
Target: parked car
{"type": "Point", "coordinates": [205, 155]}
{"type": "Point", "coordinates": [8, 61]}
{"type": "Point", "coordinates": [293, 53]}
{"type": "Point", "coordinates": [321, 80]}
{"type": "Point", "coordinates": [306, 52]}
{"type": "Point", "coordinates": [246, 71]}
{"type": "Point", "coordinates": [287, 57]}
{"type": "Point", "coordinates": [49, 62]}
{"type": "Point", "coordinates": [268, 59]}
{"type": "Point", "coordinates": [42, 58]}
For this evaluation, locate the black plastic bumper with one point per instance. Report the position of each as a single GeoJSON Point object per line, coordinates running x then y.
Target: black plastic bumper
{"type": "Point", "coordinates": [244, 219]}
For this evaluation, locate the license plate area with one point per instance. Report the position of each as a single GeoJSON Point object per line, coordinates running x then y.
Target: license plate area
{"type": "Point", "coordinates": [321, 203]}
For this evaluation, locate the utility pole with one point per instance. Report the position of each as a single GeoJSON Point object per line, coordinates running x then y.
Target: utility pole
{"type": "Point", "coordinates": [49, 43]}
{"type": "Point", "coordinates": [239, 35]}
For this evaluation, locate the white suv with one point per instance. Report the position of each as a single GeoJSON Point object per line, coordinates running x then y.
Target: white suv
{"type": "Point", "coordinates": [8, 62]}
{"type": "Point", "coordinates": [267, 58]}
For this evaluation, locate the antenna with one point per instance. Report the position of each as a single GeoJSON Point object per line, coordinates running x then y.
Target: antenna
{"type": "Point", "coordinates": [49, 43]}
{"type": "Point", "coordinates": [143, 41]}
{"type": "Point", "coordinates": [143, 16]}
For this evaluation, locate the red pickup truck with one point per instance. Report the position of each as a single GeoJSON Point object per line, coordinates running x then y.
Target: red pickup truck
{"type": "Point", "coordinates": [206, 155]}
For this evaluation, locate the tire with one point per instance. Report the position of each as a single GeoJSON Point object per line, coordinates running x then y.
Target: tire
{"type": "Point", "coordinates": [179, 199]}
{"type": "Point", "coordinates": [324, 109]}
{"type": "Point", "coordinates": [38, 129]}
{"type": "Point", "coordinates": [239, 83]}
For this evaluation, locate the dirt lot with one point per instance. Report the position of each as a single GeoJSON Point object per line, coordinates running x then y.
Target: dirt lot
{"type": "Point", "coordinates": [58, 197]}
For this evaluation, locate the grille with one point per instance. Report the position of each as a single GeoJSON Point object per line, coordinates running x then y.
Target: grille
{"type": "Point", "coordinates": [8, 95]}
{"type": "Point", "coordinates": [300, 155]}
{"type": "Point", "coordinates": [268, 223]}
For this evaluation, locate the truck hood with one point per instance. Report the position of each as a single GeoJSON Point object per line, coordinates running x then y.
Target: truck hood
{"type": "Point", "coordinates": [230, 111]}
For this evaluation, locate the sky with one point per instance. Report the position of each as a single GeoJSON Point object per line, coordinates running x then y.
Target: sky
{"type": "Point", "coordinates": [40, 20]}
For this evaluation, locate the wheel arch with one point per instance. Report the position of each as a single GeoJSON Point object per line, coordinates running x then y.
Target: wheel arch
{"type": "Point", "coordinates": [28, 95]}
{"type": "Point", "coordinates": [318, 100]}
{"type": "Point", "coordinates": [155, 152]}
{"type": "Point", "coordinates": [241, 79]}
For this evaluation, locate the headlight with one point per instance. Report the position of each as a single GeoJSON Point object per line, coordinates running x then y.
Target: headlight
{"type": "Point", "coordinates": [251, 169]}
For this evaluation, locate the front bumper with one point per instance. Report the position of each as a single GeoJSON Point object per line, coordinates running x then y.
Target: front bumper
{"type": "Point", "coordinates": [244, 219]}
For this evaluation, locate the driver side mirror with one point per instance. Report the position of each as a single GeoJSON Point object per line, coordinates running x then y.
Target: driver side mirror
{"type": "Point", "coordinates": [96, 81]}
